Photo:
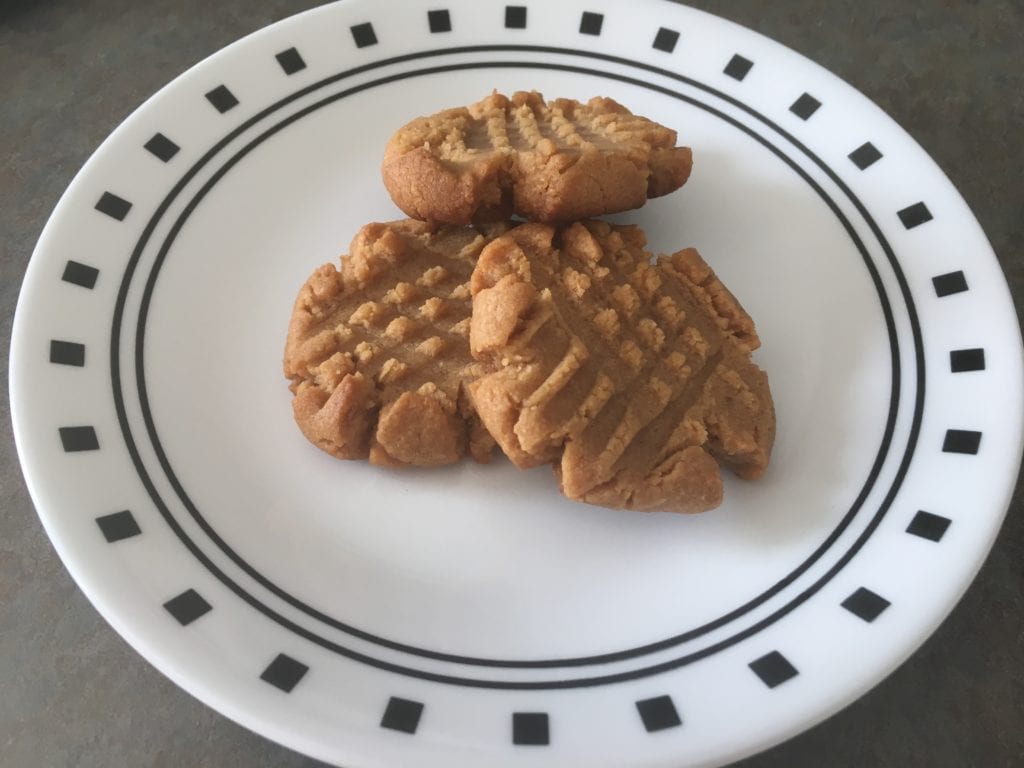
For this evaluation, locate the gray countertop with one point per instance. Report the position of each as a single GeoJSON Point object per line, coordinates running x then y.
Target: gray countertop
{"type": "Point", "coordinates": [75, 694]}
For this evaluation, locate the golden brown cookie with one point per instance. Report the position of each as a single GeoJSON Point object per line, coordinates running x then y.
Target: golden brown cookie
{"type": "Point", "coordinates": [634, 378]}
{"type": "Point", "coordinates": [544, 161]}
{"type": "Point", "coordinates": [378, 351]}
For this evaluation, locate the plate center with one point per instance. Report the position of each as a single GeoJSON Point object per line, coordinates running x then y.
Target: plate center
{"type": "Point", "coordinates": [487, 561]}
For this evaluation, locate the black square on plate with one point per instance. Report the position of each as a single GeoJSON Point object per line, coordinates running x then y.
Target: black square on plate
{"type": "Point", "coordinates": [949, 283]}
{"type": "Point", "coordinates": [961, 360]}
{"type": "Point", "coordinates": [915, 215]}
{"type": "Point", "coordinates": [284, 672]}
{"type": "Point", "coordinates": [865, 604]}
{"type": "Point", "coordinates": [658, 713]}
{"type": "Point", "coordinates": [187, 607]}
{"type": "Point", "coordinates": [864, 155]}
{"type": "Point", "coordinates": [738, 67]}
{"type": "Point", "coordinates": [961, 441]}
{"type": "Point", "coordinates": [439, 21]}
{"type": "Point", "coordinates": [77, 273]}
{"type": "Point", "coordinates": [530, 728]}
{"type": "Point", "coordinates": [928, 526]}
{"type": "Point", "coordinates": [290, 61]}
{"type": "Point", "coordinates": [590, 23]}
{"type": "Point", "coordinates": [363, 34]}
{"type": "Point", "coordinates": [118, 526]}
{"type": "Point", "coordinates": [515, 16]}
{"type": "Point", "coordinates": [76, 439]}
{"type": "Point", "coordinates": [161, 147]}
{"type": "Point", "coordinates": [115, 207]}
{"type": "Point", "coordinates": [67, 353]}
{"type": "Point", "coordinates": [665, 40]}
{"type": "Point", "coordinates": [222, 99]}
{"type": "Point", "coordinates": [773, 668]}
{"type": "Point", "coordinates": [805, 106]}
{"type": "Point", "coordinates": [402, 715]}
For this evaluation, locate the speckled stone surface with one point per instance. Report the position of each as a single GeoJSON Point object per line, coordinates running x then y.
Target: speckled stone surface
{"type": "Point", "coordinates": [74, 694]}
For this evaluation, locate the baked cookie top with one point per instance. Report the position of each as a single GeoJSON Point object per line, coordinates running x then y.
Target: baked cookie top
{"type": "Point", "coordinates": [378, 351]}
{"type": "Point", "coordinates": [544, 161]}
{"type": "Point", "coordinates": [634, 378]}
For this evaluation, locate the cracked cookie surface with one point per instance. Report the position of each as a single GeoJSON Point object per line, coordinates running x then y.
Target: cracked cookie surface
{"type": "Point", "coordinates": [544, 161]}
{"type": "Point", "coordinates": [378, 352]}
{"type": "Point", "coordinates": [633, 378]}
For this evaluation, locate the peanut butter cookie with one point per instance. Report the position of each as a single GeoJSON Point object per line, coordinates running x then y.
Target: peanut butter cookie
{"type": "Point", "coordinates": [543, 161]}
{"type": "Point", "coordinates": [634, 378]}
{"type": "Point", "coordinates": [378, 351]}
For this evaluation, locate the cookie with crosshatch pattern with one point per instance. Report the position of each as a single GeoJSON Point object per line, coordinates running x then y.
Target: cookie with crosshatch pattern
{"type": "Point", "coordinates": [378, 352]}
{"type": "Point", "coordinates": [544, 161]}
{"type": "Point", "coordinates": [633, 378]}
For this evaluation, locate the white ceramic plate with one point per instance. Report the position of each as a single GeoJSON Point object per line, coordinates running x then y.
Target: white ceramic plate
{"type": "Point", "coordinates": [469, 616]}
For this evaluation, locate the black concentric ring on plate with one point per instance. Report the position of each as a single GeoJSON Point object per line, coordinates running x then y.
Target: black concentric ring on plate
{"type": "Point", "coordinates": [847, 519]}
